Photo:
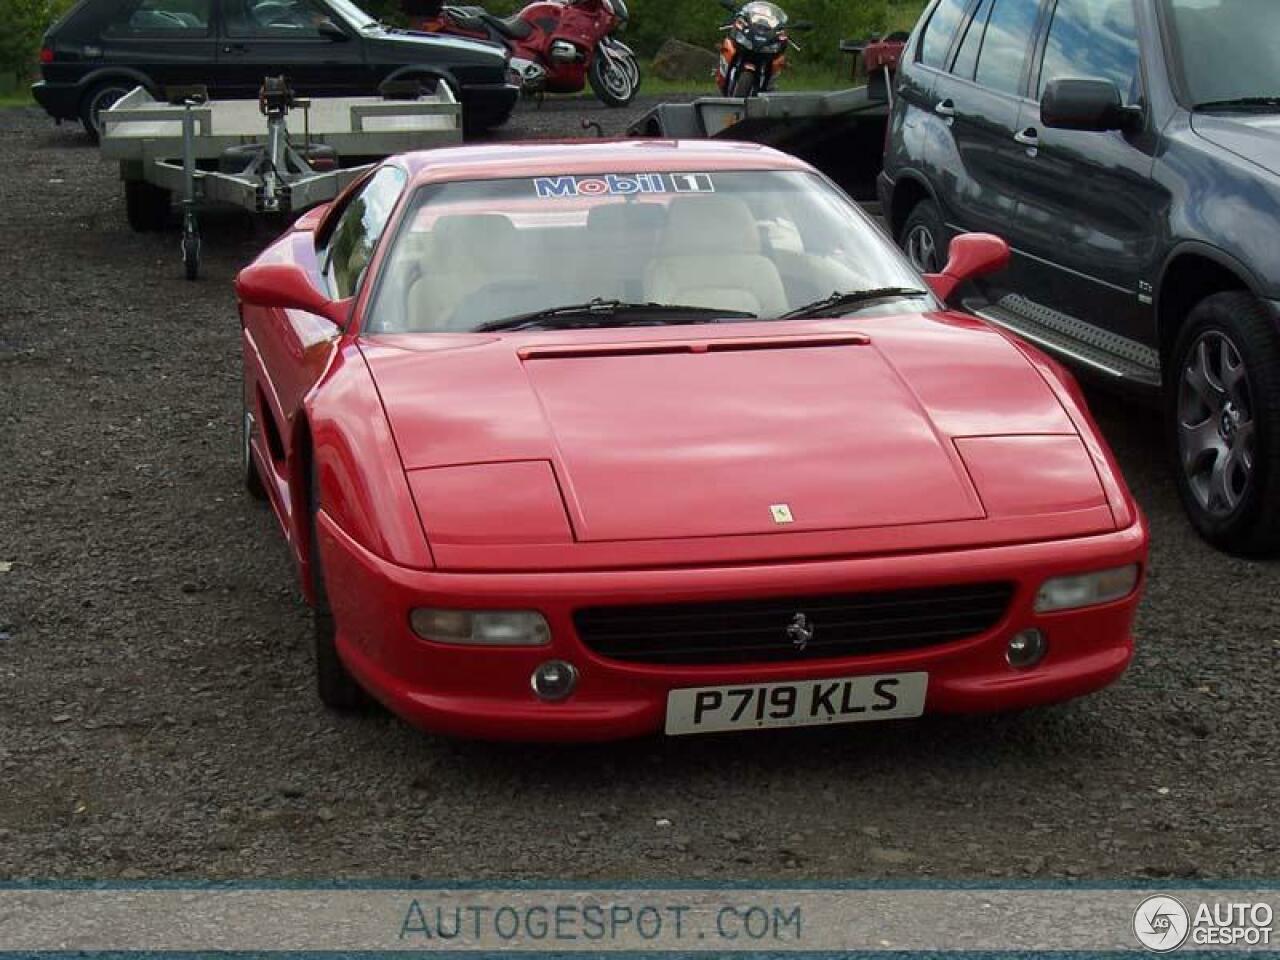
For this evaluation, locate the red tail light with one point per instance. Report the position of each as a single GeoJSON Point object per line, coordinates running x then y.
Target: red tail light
{"type": "Point", "coordinates": [46, 54]}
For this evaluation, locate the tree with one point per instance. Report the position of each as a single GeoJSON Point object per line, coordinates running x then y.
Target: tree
{"type": "Point", "coordinates": [22, 24]}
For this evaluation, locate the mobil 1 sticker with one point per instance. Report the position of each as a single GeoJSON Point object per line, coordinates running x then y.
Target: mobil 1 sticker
{"type": "Point", "coordinates": [692, 182]}
{"type": "Point", "coordinates": [622, 185]}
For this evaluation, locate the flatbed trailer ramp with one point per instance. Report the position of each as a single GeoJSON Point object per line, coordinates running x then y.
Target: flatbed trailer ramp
{"type": "Point", "coordinates": [243, 153]}
{"type": "Point", "coordinates": [841, 132]}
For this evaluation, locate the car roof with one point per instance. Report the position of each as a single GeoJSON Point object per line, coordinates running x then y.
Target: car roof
{"type": "Point", "coordinates": [527, 158]}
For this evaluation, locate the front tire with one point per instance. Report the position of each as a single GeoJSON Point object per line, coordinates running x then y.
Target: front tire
{"type": "Point", "coordinates": [924, 238]}
{"type": "Point", "coordinates": [616, 84]}
{"type": "Point", "coordinates": [335, 686]}
{"type": "Point", "coordinates": [744, 84]}
{"type": "Point", "coordinates": [1223, 417]}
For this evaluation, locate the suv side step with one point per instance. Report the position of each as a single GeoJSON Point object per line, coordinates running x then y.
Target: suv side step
{"type": "Point", "coordinates": [1073, 340]}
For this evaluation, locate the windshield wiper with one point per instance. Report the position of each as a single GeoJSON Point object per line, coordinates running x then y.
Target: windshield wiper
{"type": "Point", "coordinates": [845, 302]}
{"type": "Point", "coordinates": [1246, 102]}
{"type": "Point", "coordinates": [604, 313]}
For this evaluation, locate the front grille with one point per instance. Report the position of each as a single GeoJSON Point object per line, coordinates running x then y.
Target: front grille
{"type": "Point", "coordinates": [760, 631]}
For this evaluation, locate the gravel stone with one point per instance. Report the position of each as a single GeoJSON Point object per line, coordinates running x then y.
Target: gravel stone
{"type": "Point", "coordinates": [118, 432]}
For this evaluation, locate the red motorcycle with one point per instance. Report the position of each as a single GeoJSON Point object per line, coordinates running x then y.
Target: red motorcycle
{"type": "Point", "coordinates": [557, 46]}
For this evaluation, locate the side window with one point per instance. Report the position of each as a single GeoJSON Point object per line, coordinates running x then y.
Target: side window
{"type": "Point", "coordinates": [940, 30]}
{"type": "Point", "coordinates": [967, 57]}
{"type": "Point", "coordinates": [274, 19]}
{"type": "Point", "coordinates": [1004, 45]}
{"type": "Point", "coordinates": [351, 244]}
{"type": "Point", "coordinates": [164, 17]}
{"type": "Point", "coordinates": [1093, 39]}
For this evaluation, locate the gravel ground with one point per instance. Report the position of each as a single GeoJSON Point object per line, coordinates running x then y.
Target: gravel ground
{"type": "Point", "coordinates": [156, 713]}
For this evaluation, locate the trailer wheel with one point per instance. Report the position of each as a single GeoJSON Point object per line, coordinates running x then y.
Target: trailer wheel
{"type": "Point", "coordinates": [146, 206]}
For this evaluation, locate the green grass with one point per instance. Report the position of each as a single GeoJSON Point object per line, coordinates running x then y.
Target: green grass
{"type": "Point", "coordinates": [13, 93]}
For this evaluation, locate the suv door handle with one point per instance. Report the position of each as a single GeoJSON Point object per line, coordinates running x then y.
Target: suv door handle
{"type": "Point", "coordinates": [945, 108]}
{"type": "Point", "coordinates": [1028, 137]}
{"type": "Point", "coordinates": [235, 48]}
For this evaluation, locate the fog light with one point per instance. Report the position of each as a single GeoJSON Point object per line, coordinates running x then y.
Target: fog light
{"type": "Point", "coordinates": [1026, 649]}
{"type": "Point", "coordinates": [483, 628]}
{"type": "Point", "coordinates": [554, 680]}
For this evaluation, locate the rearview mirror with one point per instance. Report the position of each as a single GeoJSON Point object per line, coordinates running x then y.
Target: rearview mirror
{"type": "Point", "coordinates": [801, 25]}
{"type": "Point", "coordinates": [287, 286]}
{"type": "Point", "coordinates": [327, 28]}
{"type": "Point", "coordinates": [1086, 105]}
{"type": "Point", "coordinates": [970, 255]}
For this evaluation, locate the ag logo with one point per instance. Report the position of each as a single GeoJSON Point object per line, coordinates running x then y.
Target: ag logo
{"type": "Point", "coordinates": [1161, 924]}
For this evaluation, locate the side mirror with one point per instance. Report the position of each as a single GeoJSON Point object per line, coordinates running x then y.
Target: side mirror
{"type": "Point", "coordinates": [970, 255]}
{"type": "Point", "coordinates": [1086, 105]}
{"type": "Point", "coordinates": [327, 28]}
{"type": "Point", "coordinates": [801, 25]}
{"type": "Point", "coordinates": [287, 286]}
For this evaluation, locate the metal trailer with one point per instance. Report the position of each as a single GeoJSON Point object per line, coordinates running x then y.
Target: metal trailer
{"type": "Point", "coordinates": [840, 132]}
{"type": "Point", "coordinates": [242, 153]}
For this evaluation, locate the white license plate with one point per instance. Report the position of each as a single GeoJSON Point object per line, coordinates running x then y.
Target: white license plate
{"type": "Point", "coordinates": [801, 703]}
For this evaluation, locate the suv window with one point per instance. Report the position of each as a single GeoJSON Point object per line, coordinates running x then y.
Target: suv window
{"type": "Point", "coordinates": [1093, 39]}
{"type": "Point", "coordinates": [1004, 45]}
{"type": "Point", "coordinates": [167, 17]}
{"type": "Point", "coordinates": [941, 28]}
{"type": "Point", "coordinates": [967, 57]}
{"type": "Point", "coordinates": [351, 244]}
{"type": "Point", "coordinates": [278, 19]}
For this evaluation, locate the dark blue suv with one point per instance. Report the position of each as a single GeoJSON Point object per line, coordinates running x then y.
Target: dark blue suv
{"type": "Point", "coordinates": [1129, 151]}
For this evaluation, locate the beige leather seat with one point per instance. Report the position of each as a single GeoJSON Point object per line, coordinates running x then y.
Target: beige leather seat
{"type": "Point", "coordinates": [710, 257]}
{"type": "Point", "coordinates": [471, 251]}
{"type": "Point", "coordinates": [624, 237]}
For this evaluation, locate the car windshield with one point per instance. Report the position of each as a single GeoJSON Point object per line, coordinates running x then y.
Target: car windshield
{"type": "Point", "coordinates": [480, 254]}
{"type": "Point", "coordinates": [1242, 31]}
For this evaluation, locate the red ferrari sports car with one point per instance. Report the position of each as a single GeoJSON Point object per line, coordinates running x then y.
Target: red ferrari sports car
{"type": "Point", "coordinates": [585, 441]}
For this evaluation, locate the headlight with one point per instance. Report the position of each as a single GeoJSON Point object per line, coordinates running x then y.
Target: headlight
{"type": "Point", "coordinates": [1086, 589]}
{"type": "Point", "coordinates": [482, 628]}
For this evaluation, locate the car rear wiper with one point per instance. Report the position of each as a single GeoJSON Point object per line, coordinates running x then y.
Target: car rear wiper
{"type": "Point", "coordinates": [845, 302]}
{"type": "Point", "coordinates": [604, 313]}
{"type": "Point", "coordinates": [1246, 102]}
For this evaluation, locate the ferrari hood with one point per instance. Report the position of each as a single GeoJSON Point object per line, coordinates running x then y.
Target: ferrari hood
{"type": "Point", "coordinates": [743, 437]}
{"type": "Point", "coordinates": [731, 436]}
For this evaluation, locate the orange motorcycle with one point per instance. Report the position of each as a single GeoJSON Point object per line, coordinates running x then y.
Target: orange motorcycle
{"type": "Point", "coordinates": [755, 47]}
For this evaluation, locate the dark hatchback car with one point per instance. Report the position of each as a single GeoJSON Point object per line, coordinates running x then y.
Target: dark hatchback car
{"type": "Point", "coordinates": [104, 48]}
{"type": "Point", "coordinates": [1129, 151]}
